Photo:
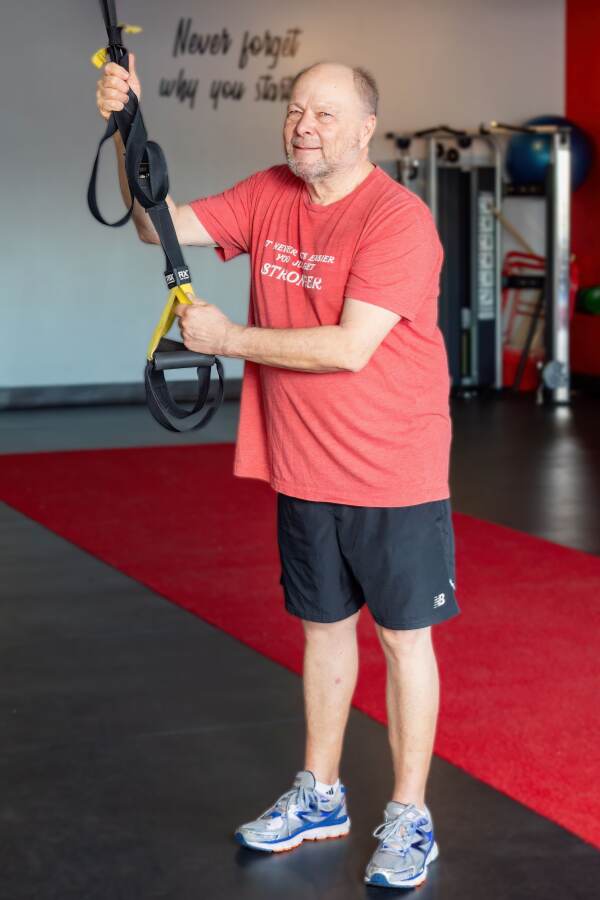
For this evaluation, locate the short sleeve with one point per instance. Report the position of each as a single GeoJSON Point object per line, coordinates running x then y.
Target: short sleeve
{"type": "Point", "coordinates": [398, 260]}
{"type": "Point", "coordinates": [228, 216]}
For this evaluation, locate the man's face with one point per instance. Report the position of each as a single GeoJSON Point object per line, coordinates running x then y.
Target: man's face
{"type": "Point", "coordinates": [325, 126]}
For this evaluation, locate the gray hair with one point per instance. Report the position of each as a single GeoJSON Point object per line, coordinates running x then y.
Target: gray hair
{"type": "Point", "coordinates": [364, 83]}
{"type": "Point", "coordinates": [367, 89]}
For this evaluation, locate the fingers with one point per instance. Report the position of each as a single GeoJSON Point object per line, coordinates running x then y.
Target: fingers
{"type": "Point", "coordinates": [108, 105]}
{"type": "Point", "coordinates": [180, 309]}
{"type": "Point", "coordinates": [112, 90]}
{"type": "Point", "coordinates": [112, 82]}
{"type": "Point", "coordinates": [111, 93]}
{"type": "Point", "coordinates": [113, 68]}
{"type": "Point", "coordinates": [185, 314]}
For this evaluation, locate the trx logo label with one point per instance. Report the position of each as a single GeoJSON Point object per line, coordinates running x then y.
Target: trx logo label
{"type": "Point", "coordinates": [439, 600]}
{"type": "Point", "coordinates": [183, 275]}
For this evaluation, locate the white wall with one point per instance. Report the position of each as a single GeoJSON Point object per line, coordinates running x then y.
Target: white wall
{"type": "Point", "coordinates": [78, 300]}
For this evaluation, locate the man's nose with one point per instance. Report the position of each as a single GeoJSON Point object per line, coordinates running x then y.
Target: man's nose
{"type": "Point", "coordinates": [305, 123]}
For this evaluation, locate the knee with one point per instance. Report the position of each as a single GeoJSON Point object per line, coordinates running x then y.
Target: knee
{"type": "Point", "coordinates": [402, 644]}
{"type": "Point", "coordinates": [331, 631]}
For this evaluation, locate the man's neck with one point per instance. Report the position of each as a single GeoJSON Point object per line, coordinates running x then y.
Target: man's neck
{"type": "Point", "coordinates": [327, 190]}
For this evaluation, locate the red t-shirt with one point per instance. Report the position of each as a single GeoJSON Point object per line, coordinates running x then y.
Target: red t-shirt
{"type": "Point", "coordinates": [377, 437]}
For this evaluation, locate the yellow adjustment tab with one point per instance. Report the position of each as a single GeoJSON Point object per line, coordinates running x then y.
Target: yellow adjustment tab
{"type": "Point", "coordinates": [183, 293]}
{"type": "Point", "coordinates": [100, 58]}
{"type": "Point", "coordinates": [186, 293]}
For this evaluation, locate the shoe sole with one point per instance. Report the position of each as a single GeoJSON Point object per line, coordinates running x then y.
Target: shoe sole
{"type": "Point", "coordinates": [311, 834]}
{"type": "Point", "coordinates": [379, 879]}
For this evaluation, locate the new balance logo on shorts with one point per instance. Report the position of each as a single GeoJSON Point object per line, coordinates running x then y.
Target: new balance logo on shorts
{"type": "Point", "coordinates": [439, 600]}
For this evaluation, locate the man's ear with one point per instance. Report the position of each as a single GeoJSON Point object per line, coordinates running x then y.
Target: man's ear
{"type": "Point", "coordinates": [369, 125]}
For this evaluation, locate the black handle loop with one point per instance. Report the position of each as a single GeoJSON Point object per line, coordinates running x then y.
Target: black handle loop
{"type": "Point", "coordinates": [123, 121]}
{"type": "Point", "coordinates": [92, 200]}
{"type": "Point", "coordinates": [161, 404]}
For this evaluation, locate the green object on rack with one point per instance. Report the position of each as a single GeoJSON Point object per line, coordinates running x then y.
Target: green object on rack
{"type": "Point", "coordinates": [589, 300]}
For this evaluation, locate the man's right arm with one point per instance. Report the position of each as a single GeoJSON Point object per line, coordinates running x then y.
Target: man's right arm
{"type": "Point", "coordinates": [111, 96]}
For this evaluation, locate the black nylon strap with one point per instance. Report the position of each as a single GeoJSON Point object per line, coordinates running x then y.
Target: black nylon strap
{"type": "Point", "coordinates": [91, 191]}
{"type": "Point", "coordinates": [148, 179]}
{"type": "Point", "coordinates": [175, 263]}
{"type": "Point", "coordinates": [109, 13]}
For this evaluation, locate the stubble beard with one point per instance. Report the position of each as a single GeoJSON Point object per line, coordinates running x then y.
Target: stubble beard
{"type": "Point", "coordinates": [315, 171]}
{"type": "Point", "coordinates": [309, 172]}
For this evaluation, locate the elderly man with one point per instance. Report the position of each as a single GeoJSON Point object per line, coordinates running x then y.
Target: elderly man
{"type": "Point", "coordinates": [344, 411]}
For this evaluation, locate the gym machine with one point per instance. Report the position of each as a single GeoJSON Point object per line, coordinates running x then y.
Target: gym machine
{"type": "Point", "coordinates": [459, 174]}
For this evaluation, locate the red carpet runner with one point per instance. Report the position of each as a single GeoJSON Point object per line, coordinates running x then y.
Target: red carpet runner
{"type": "Point", "coordinates": [519, 668]}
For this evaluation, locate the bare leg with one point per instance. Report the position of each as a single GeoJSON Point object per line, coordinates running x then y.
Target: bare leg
{"type": "Point", "coordinates": [330, 672]}
{"type": "Point", "coordinates": [412, 695]}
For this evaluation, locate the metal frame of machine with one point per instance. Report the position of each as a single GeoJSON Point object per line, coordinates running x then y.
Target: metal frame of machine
{"type": "Point", "coordinates": [466, 203]}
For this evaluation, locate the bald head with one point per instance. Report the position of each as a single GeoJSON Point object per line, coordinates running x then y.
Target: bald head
{"type": "Point", "coordinates": [355, 79]}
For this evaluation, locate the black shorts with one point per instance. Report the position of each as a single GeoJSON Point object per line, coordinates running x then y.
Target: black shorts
{"type": "Point", "coordinates": [397, 560]}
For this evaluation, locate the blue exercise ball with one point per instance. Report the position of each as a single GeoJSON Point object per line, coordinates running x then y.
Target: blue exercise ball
{"type": "Point", "coordinates": [528, 155]}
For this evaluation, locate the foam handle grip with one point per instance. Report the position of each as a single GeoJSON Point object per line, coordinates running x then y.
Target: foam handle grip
{"type": "Point", "coordinates": [173, 355]}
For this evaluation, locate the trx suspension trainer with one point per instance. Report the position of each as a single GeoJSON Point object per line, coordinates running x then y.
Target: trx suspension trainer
{"type": "Point", "coordinates": [148, 180]}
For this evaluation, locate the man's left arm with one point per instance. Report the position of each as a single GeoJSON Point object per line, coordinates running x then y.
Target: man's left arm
{"type": "Point", "coordinates": [345, 347]}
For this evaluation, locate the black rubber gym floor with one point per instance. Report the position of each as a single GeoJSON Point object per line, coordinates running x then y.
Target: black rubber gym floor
{"type": "Point", "coordinates": [136, 737]}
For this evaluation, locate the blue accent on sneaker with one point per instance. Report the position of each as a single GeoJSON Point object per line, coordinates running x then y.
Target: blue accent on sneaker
{"type": "Point", "coordinates": [325, 815]}
{"type": "Point", "coordinates": [239, 837]}
{"type": "Point", "coordinates": [380, 879]}
{"type": "Point", "coordinates": [298, 811]}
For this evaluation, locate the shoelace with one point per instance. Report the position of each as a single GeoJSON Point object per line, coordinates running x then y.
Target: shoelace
{"type": "Point", "coordinates": [399, 830]}
{"type": "Point", "coordinates": [300, 795]}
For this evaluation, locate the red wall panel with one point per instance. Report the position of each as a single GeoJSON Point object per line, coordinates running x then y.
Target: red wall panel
{"type": "Point", "coordinates": [583, 106]}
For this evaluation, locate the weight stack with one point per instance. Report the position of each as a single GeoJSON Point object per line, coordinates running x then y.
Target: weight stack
{"type": "Point", "coordinates": [467, 316]}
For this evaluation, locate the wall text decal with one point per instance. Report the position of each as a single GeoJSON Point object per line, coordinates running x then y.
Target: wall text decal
{"type": "Point", "coordinates": [266, 47]}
